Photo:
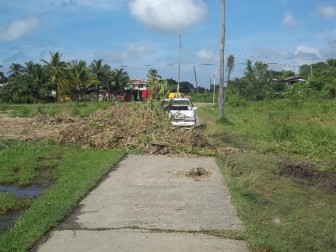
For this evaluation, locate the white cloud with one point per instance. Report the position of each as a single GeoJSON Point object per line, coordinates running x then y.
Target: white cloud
{"type": "Point", "coordinates": [131, 52]}
{"type": "Point", "coordinates": [136, 50]}
{"type": "Point", "coordinates": [304, 51]}
{"type": "Point", "coordinates": [289, 20]}
{"type": "Point", "coordinates": [18, 28]}
{"type": "Point", "coordinates": [328, 12]}
{"type": "Point", "coordinates": [206, 56]}
{"type": "Point", "coordinates": [102, 4]}
{"type": "Point", "coordinates": [168, 15]}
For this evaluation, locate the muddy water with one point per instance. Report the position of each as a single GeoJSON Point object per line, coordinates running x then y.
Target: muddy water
{"type": "Point", "coordinates": [7, 221]}
{"type": "Point", "coordinates": [28, 191]}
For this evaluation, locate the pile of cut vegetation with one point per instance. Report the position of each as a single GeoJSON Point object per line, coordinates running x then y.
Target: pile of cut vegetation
{"type": "Point", "coordinates": [140, 126]}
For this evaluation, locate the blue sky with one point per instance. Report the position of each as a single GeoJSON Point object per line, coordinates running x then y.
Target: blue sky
{"type": "Point", "coordinates": [142, 34]}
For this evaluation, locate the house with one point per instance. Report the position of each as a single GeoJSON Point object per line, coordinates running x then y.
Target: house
{"type": "Point", "coordinates": [139, 84]}
{"type": "Point", "coordinates": [293, 79]}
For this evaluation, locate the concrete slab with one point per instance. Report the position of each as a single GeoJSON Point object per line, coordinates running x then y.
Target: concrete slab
{"type": "Point", "coordinates": [151, 193]}
{"type": "Point", "coordinates": [136, 240]}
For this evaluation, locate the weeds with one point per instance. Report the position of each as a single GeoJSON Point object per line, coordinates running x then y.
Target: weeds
{"type": "Point", "coordinates": [281, 173]}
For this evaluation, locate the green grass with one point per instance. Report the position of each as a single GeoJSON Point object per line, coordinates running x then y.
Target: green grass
{"type": "Point", "coordinates": [54, 109]}
{"type": "Point", "coordinates": [305, 128]}
{"type": "Point", "coordinates": [280, 213]}
{"type": "Point", "coordinates": [11, 203]}
{"type": "Point", "coordinates": [74, 172]}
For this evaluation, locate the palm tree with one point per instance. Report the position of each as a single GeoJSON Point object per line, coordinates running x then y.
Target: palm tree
{"type": "Point", "coordinates": [57, 74]}
{"type": "Point", "coordinates": [15, 69]}
{"type": "Point", "coordinates": [120, 78]}
{"type": "Point", "coordinates": [2, 76]}
{"type": "Point", "coordinates": [36, 71]}
{"type": "Point", "coordinates": [80, 76]}
{"type": "Point", "coordinates": [153, 74]}
{"type": "Point", "coordinates": [107, 79]}
{"type": "Point", "coordinates": [230, 65]}
{"type": "Point", "coordinates": [99, 70]}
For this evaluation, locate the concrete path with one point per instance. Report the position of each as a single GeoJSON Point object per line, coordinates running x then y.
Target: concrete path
{"type": "Point", "coordinates": [150, 203]}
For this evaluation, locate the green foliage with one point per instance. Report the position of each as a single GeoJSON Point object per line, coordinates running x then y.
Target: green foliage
{"type": "Point", "coordinates": [20, 89]}
{"type": "Point", "coordinates": [157, 85]}
{"type": "Point", "coordinates": [78, 171]}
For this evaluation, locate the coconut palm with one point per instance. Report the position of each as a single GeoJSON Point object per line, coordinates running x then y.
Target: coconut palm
{"type": "Point", "coordinates": [101, 71]}
{"type": "Point", "coordinates": [80, 76]}
{"type": "Point", "coordinates": [37, 73]}
{"type": "Point", "coordinates": [57, 74]}
{"type": "Point", "coordinates": [15, 69]}
{"type": "Point", "coordinates": [120, 78]}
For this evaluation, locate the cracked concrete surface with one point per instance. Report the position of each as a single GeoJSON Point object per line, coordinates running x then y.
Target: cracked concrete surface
{"type": "Point", "coordinates": [146, 204]}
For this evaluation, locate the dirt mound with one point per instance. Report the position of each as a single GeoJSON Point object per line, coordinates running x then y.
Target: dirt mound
{"type": "Point", "coordinates": [47, 119]}
{"type": "Point", "coordinates": [133, 125]}
{"type": "Point", "coordinates": [196, 173]}
{"type": "Point", "coordinates": [308, 173]}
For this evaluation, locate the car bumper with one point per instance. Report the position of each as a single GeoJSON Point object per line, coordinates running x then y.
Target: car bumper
{"type": "Point", "coordinates": [183, 123]}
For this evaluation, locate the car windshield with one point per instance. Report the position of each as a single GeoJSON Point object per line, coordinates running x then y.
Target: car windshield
{"type": "Point", "coordinates": [177, 104]}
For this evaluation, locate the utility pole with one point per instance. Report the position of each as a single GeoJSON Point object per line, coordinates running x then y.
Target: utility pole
{"type": "Point", "coordinates": [196, 80]}
{"type": "Point", "coordinates": [221, 83]}
{"type": "Point", "coordinates": [179, 66]}
{"type": "Point", "coordinates": [214, 88]}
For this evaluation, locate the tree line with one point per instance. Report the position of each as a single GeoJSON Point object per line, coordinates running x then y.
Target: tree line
{"type": "Point", "coordinates": [34, 82]}
{"type": "Point", "coordinates": [57, 80]}
{"type": "Point", "coordinates": [258, 82]}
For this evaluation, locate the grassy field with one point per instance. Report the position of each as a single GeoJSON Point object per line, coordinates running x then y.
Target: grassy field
{"type": "Point", "coordinates": [281, 150]}
{"type": "Point", "coordinates": [68, 173]}
{"type": "Point", "coordinates": [279, 155]}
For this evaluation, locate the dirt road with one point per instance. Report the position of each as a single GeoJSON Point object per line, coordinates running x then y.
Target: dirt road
{"type": "Point", "coordinates": [151, 203]}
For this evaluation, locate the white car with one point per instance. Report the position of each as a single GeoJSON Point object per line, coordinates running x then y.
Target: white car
{"type": "Point", "coordinates": [181, 111]}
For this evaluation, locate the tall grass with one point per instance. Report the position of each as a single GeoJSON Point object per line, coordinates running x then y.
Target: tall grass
{"type": "Point", "coordinates": [280, 213]}
{"type": "Point", "coordinates": [306, 128]}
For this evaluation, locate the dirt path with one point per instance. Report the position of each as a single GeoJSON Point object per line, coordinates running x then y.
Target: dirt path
{"type": "Point", "coordinates": [152, 203]}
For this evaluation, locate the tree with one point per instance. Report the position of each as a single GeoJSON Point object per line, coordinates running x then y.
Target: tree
{"type": "Point", "coordinates": [80, 77]}
{"type": "Point", "coordinates": [57, 75]}
{"type": "Point", "coordinates": [120, 78]}
{"type": "Point", "coordinates": [15, 69]}
{"type": "Point", "coordinates": [153, 73]}
{"type": "Point", "coordinates": [159, 87]}
{"type": "Point", "coordinates": [186, 87]}
{"type": "Point", "coordinates": [36, 71]}
{"type": "Point", "coordinates": [3, 78]}
{"type": "Point", "coordinates": [99, 70]}
{"type": "Point", "coordinates": [107, 79]}
{"type": "Point", "coordinates": [19, 89]}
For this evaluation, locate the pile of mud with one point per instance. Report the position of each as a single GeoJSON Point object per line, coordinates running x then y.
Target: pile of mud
{"type": "Point", "coordinates": [133, 125]}
{"type": "Point", "coordinates": [309, 174]}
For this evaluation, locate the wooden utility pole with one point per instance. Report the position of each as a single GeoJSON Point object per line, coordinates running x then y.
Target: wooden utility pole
{"type": "Point", "coordinates": [221, 81]}
{"type": "Point", "coordinates": [179, 65]}
{"type": "Point", "coordinates": [196, 80]}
